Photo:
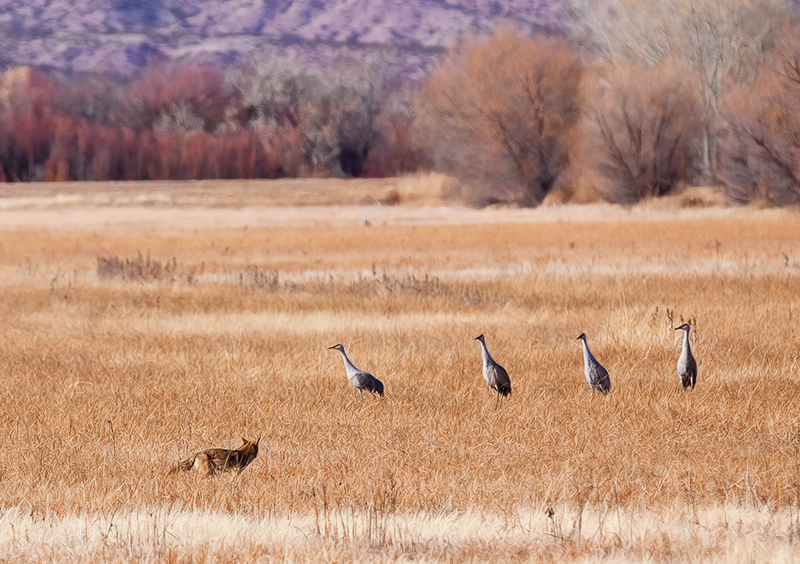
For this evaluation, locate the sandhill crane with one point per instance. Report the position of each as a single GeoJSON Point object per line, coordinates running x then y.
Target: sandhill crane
{"type": "Point", "coordinates": [361, 381]}
{"type": "Point", "coordinates": [596, 375]}
{"type": "Point", "coordinates": [494, 374]}
{"type": "Point", "coordinates": [687, 366]}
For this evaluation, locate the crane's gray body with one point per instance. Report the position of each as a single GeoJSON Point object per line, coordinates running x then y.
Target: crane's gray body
{"type": "Point", "coordinates": [361, 381]}
{"type": "Point", "coordinates": [494, 374]}
{"type": "Point", "coordinates": [687, 365]}
{"type": "Point", "coordinates": [596, 376]}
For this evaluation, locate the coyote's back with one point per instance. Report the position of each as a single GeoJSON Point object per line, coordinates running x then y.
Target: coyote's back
{"type": "Point", "coordinates": [213, 460]}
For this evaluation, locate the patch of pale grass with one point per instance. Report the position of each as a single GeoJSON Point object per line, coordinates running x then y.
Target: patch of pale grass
{"type": "Point", "coordinates": [730, 533]}
{"type": "Point", "coordinates": [422, 188]}
{"type": "Point", "coordinates": [690, 197]}
{"type": "Point", "coordinates": [212, 193]}
{"type": "Point", "coordinates": [311, 323]}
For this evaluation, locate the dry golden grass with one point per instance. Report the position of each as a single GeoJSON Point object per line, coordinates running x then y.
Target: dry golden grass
{"type": "Point", "coordinates": [107, 382]}
{"type": "Point", "coordinates": [414, 189]}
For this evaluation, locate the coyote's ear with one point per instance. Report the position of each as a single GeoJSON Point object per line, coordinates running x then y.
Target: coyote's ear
{"type": "Point", "coordinates": [258, 440]}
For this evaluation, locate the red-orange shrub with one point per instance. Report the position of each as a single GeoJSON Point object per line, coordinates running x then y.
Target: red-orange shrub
{"type": "Point", "coordinates": [160, 89]}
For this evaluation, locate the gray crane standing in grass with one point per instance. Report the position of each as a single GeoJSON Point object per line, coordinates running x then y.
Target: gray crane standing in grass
{"type": "Point", "coordinates": [361, 381]}
{"type": "Point", "coordinates": [596, 375]}
{"type": "Point", "coordinates": [494, 374]}
{"type": "Point", "coordinates": [687, 365]}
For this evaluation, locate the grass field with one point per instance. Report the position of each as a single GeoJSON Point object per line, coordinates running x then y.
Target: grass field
{"type": "Point", "coordinates": [129, 345]}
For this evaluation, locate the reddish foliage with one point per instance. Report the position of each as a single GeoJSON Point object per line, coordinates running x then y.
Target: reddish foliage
{"type": "Point", "coordinates": [162, 88]}
{"type": "Point", "coordinates": [24, 144]}
{"type": "Point", "coordinates": [171, 122]}
{"type": "Point", "coordinates": [395, 153]}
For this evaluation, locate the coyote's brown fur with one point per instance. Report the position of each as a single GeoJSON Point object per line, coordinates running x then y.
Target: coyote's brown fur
{"type": "Point", "coordinates": [213, 460]}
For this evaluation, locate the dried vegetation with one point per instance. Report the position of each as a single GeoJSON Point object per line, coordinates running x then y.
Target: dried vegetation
{"type": "Point", "coordinates": [108, 381]}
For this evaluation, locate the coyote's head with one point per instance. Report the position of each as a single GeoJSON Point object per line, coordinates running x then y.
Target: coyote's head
{"type": "Point", "coordinates": [250, 448]}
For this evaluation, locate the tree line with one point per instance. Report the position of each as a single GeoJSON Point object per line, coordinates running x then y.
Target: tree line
{"type": "Point", "coordinates": [269, 118]}
{"type": "Point", "coordinates": [636, 100]}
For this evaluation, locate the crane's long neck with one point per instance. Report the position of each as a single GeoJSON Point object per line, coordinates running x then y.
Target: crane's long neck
{"type": "Point", "coordinates": [487, 358]}
{"type": "Point", "coordinates": [348, 366]}
{"type": "Point", "coordinates": [687, 350]}
{"type": "Point", "coordinates": [587, 355]}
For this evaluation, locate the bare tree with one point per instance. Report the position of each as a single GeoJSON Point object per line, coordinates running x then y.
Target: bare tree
{"type": "Point", "coordinates": [166, 89]}
{"type": "Point", "coordinates": [361, 93]}
{"type": "Point", "coordinates": [722, 42]}
{"type": "Point", "coordinates": [394, 152]}
{"type": "Point", "coordinates": [179, 117]}
{"type": "Point", "coordinates": [639, 128]}
{"type": "Point", "coordinates": [497, 115]}
{"type": "Point", "coordinates": [759, 130]}
{"type": "Point", "coordinates": [280, 96]}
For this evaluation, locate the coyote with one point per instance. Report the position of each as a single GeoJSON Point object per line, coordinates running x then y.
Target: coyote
{"type": "Point", "coordinates": [213, 460]}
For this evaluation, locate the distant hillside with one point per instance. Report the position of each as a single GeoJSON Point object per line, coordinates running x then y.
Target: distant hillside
{"type": "Point", "coordinates": [123, 35]}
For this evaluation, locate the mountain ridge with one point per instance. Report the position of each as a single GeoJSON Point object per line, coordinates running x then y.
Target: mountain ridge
{"type": "Point", "coordinates": [122, 36]}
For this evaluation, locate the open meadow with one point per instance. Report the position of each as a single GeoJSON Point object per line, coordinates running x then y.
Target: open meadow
{"type": "Point", "coordinates": [139, 329]}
